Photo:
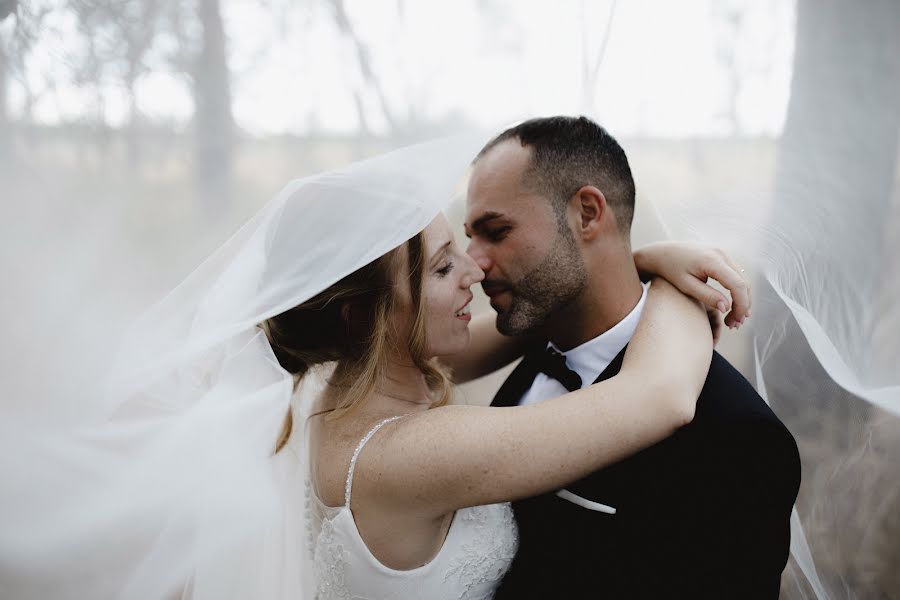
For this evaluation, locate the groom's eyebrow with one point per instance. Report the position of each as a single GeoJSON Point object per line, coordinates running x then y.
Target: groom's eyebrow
{"type": "Point", "coordinates": [480, 222]}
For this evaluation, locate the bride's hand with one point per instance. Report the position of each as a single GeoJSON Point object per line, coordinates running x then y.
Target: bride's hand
{"type": "Point", "coordinates": [688, 266]}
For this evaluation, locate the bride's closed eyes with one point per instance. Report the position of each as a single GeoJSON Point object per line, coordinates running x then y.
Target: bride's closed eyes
{"type": "Point", "coordinates": [441, 257]}
{"type": "Point", "coordinates": [445, 270]}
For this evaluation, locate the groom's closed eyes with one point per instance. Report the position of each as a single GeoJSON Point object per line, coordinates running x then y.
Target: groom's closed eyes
{"type": "Point", "coordinates": [491, 225]}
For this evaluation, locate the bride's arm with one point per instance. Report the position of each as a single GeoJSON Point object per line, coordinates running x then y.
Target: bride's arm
{"type": "Point", "coordinates": [447, 458]}
{"type": "Point", "coordinates": [685, 265]}
{"type": "Point", "coordinates": [688, 266]}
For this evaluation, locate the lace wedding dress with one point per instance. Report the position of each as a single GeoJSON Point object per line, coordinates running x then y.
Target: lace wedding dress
{"type": "Point", "coordinates": [476, 553]}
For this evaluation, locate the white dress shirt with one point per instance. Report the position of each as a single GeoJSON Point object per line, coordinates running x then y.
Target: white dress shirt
{"type": "Point", "coordinates": [590, 358]}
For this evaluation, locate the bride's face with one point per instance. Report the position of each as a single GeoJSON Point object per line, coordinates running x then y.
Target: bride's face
{"type": "Point", "coordinates": [449, 273]}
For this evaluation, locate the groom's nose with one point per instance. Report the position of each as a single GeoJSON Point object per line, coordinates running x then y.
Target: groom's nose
{"type": "Point", "coordinates": [478, 254]}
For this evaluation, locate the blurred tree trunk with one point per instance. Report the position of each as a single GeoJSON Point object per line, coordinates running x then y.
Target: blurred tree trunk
{"type": "Point", "coordinates": [7, 8]}
{"type": "Point", "coordinates": [835, 175]}
{"type": "Point", "coordinates": [5, 130]}
{"type": "Point", "coordinates": [838, 152]}
{"type": "Point", "coordinates": [840, 139]}
{"type": "Point", "coordinates": [213, 120]}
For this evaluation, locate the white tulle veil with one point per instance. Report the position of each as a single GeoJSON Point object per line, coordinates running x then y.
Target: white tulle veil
{"type": "Point", "coordinates": [170, 487]}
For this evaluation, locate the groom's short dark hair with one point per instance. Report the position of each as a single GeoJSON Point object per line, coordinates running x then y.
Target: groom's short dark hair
{"type": "Point", "coordinates": [569, 153]}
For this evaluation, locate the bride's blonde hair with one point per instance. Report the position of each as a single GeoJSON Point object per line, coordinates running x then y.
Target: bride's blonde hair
{"type": "Point", "coordinates": [350, 324]}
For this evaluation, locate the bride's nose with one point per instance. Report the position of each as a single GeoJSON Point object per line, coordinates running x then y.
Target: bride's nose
{"type": "Point", "coordinates": [473, 273]}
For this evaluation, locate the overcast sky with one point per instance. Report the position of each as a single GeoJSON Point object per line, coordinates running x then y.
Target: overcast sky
{"type": "Point", "coordinates": [490, 62]}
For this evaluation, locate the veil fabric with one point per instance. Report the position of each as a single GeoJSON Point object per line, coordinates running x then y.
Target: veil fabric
{"type": "Point", "coordinates": [170, 488]}
{"type": "Point", "coordinates": [173, 490]}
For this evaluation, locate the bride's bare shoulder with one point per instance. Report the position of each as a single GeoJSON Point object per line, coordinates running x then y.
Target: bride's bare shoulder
{"type": "Point", "coordinates": [332, 443]}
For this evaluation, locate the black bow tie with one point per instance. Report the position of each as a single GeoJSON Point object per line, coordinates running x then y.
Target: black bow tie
{"type": "Point", "coordinates": [553, 364]}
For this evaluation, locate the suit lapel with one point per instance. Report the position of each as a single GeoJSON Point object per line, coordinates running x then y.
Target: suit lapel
{"type": "Point", "coordinates": [613, 368]}
{"type": "Point", "coordinates": [612, 485]}
{"type": "Point", "coordinates": [588, 488]}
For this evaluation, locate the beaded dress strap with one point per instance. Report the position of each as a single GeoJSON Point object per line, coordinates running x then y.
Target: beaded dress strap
{"type": "Point", "coordinates": [356, 452]}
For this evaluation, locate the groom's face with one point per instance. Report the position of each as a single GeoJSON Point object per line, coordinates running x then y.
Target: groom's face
{"type": "Point", "coordinates": [532, 264]}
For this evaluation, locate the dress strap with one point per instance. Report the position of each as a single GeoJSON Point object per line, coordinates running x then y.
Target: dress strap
{"type": "Point", "coordinates": [356, 452]}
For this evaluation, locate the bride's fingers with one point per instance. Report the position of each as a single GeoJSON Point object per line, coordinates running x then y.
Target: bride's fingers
{"type": "Point", "coordinates": [712, 299]}
{"type": "Point", "coordinates": [741, 306]}
{"type": "Point", "coordinates": [730, 277]}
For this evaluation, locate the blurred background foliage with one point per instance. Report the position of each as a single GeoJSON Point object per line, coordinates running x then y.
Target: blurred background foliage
{"type": "Point", "coordinates": [135, 136]}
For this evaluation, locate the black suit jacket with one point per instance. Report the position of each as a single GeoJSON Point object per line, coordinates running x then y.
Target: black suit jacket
{"type": "Point", "coordinates": [703, 514]}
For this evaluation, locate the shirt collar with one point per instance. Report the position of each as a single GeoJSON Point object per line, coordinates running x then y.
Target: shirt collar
{"type": "Point", "coordinates": [592, 357]}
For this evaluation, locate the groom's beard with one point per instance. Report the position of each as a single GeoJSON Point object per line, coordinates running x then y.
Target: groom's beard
{"type": "Point", "coordinates": [546, 289]}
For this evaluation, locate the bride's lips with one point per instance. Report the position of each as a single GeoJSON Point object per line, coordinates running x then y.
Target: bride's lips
{"type": "Point", "coordinates": [467, 316]}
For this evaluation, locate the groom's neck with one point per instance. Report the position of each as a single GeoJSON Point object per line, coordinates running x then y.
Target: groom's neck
{"type": "Point", "coordinates": [610, 295]}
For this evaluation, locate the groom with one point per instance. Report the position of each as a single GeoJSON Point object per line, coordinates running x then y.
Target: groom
{"type": "Point", "coordinates": [703, 514]}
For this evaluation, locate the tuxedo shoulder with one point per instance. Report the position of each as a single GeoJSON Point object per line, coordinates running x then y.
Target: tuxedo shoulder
{"type": "Point", "coordinates": [733, 417]}
{"type": "Point", "coordinates": [727, 397]}
{"type": "Point", "coordinates": [759, 457]}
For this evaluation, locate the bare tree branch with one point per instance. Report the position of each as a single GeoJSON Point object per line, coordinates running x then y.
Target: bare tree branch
{"type": "Point", "coordinates": [591, 68]}
{"type": "Point", "coordinates": [362, 56]}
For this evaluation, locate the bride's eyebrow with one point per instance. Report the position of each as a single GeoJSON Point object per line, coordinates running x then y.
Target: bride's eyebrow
{"type": "Point", "coordinates": [440, 252]}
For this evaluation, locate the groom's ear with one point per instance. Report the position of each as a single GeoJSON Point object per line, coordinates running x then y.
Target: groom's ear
{"type": "Point", "coordinates": [590, 204]}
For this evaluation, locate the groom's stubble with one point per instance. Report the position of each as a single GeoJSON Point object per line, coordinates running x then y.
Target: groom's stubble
{"type": "Point", "coordinates": [547, 289]}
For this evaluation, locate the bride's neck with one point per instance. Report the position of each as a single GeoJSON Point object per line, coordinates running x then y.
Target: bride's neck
{"type": "Point", "coordinates": [402, 390]}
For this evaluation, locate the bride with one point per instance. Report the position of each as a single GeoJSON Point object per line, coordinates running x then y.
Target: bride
{"type": "Point", "coordinates": [352, 279]}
